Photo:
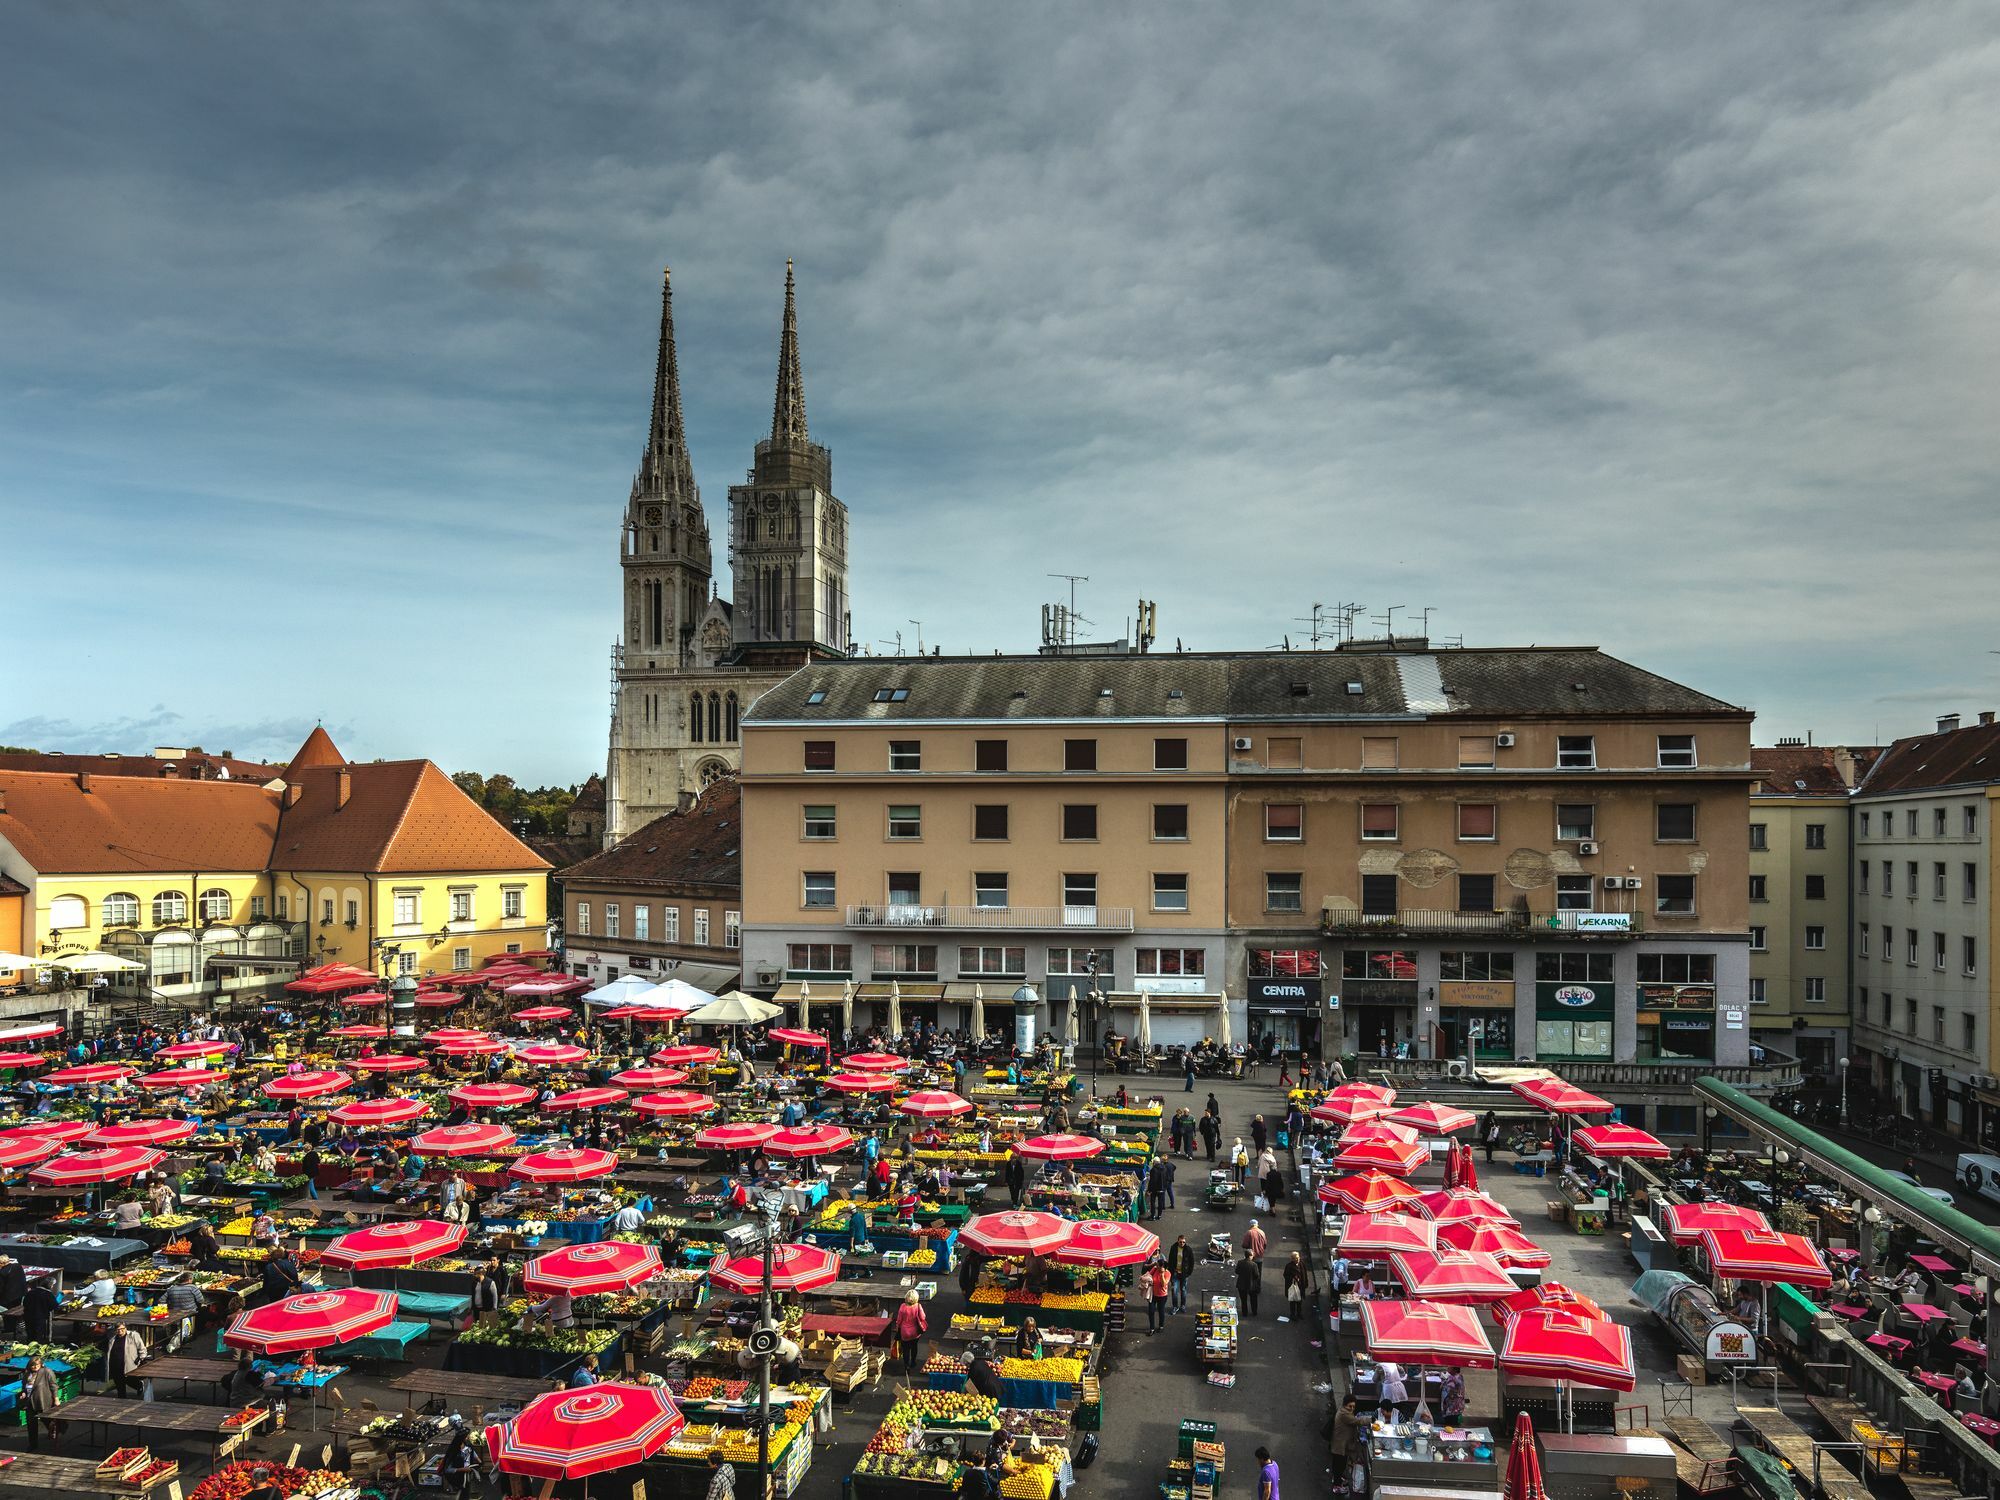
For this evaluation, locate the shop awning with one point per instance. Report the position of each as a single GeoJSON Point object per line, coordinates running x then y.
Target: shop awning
{"type": "Point", "coordinates": [878, 991]}
{"type": "Point", "coordinates": [251, 961]}
{"type": "Point", "coordinates": [1131, 999]}
{"type": "Point", "coordinates": [717, 979]}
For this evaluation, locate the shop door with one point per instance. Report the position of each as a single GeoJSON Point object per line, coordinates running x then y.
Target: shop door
{"type": "Point", "coordinates": [1376, 1031]}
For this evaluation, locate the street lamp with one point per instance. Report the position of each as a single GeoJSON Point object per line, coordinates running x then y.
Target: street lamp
{"type": "Point", "coordinates": [1843, 1091]}
{"type": "Point", "coordinates": [765, 1338]}
{"type": "Point", "coordinates": [1095, 1001]}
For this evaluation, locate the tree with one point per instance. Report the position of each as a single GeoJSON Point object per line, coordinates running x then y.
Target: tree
{"type": "Point", "coordinates": [472, 784]}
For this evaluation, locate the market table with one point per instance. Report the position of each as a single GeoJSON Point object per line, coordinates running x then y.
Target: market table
{"type": "Point", "coordinates": [452, 1309]}
{"type": "Point", "coordinates": [36, 1474]}
{"type": "Point", "coordinates": [189, 1370]}
{"type": "Point", "coordinates": [455, 1385]}
{"type": "Point", "coordinates": [166, 1419]}
{"type": "Point", "coordinates": [83, 1253]}
{"type": "Point", "coordinates": [846, 1326]}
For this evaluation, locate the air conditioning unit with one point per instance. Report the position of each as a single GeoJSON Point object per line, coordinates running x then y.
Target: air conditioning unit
{"type": "Point", "coordinates": [1457, 1068]}
{"type": "Point", "coordinates": [1588, 846]}
{"type": "Point", "coordinates": [1614, 882]}
{"type": "Point", "coordinates": [1241, 742]}
{"type": "Point", "coordinates": [1504, 741]}
{"type": "Point", "coordinates": [1634, 883]}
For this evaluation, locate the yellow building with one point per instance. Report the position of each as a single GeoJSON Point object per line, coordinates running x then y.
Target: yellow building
{"type": "Point", "coordinates": [217, 887]}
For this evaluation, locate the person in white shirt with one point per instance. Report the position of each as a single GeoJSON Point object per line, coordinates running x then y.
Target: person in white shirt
{"type": "Point", "coordinates": [102, 1291]}
{"type": "Point", "coordinates": [628, 1220]}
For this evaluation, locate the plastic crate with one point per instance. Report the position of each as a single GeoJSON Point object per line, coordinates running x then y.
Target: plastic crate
{"type": "Point", "coordinates": [1193, 1431]}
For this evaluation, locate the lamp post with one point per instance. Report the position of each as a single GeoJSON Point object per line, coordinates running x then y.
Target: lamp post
{"type": "Point", "coordinates": [1843, 1091]}
{"type": "Point", "coordinates": [1094, 1000]}
{"type": "Point", "coordinates": [764, 1341]}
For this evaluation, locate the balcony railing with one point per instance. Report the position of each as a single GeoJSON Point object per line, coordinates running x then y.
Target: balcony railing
{"type": "Point", "coordinates": [1349, 921]}
{"type": "Point", "coordinates": [1015, 918]}
{"type": "Point", "coordinates": [1777, 1072]}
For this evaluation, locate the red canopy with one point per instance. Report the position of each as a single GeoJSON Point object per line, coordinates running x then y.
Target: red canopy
{"type": "Point", "coordinates": [24, 1059]}
{"type": "Point", "coordinates": [687, 1055]}
{"type": "Point", "coordinates": [550, 1054]}
{"type": "Point", "coordinates": [1524, 1466]}
{"type": "Point", "coordinates": [1107, 1242]}
{"type": "Point", "coordinates": [1765, 1255]}
{"type": "Point", "coordinates": [794, 1268]}
{"type": "Point", "coordinates": [307, 1085]}
{"type": "Point", "coordinates": [1684, 1222]}
{"type": "Point", "coordinates": [192, 1049]}
{"type": "Point", "coordinates": [1376, 1234]}
{"type": "Point", "coordinates": [311, 1320]}
{"type": "Point", "coordinates": [1547, 1294]}
{"type": "Point", "coordinates": [1367, 1191]}
{"type": "Point", "coordinates": [639, 1079]}
{"type": "Point", "coordinates": [735, 1137]}
{"type": "Point", "coordinates": [1464, 1203]}
{"type": "Point", "coordinates": [934, 1104]}
{"type": "Point", "coordinates": [583, 1270]}
{"type": "Point", "coordinates": [544, 1013]}
{"type": "Point", "coordinates": [861, 1083]}
{"type": "Point", "coordinates": [161, 1132]}
{"type": "Point", "coordinates": [1400, 1157]}
{"type": "Point", "coordinates": [1434, 1119]}
{"type": "Point", "coordinates": [1351, 1108]}
{"type": "Point", "coordinates": [1559, 1098]}
{"type": "Point", "coordinates": [1451, 1275]}
{"type": "Point", "coordinates": [797, 1036]}
{"type": "Point", "coordinates": [409, 1242]}
{"type": "Point", "coordinates": [570, 1434]}
{"type": "Point", "coordinates": [471, 1046]}
{"type": "Point", "coordinates": [1607, 1142]}
{"type": "Point", "coordinates": [391, 1111]}
{"type": "Point", "coordinates": [491, 1095]}
{"type": "Point", "coordinates": [361, 1031]}
{"type": "Point", "coordinates": [644, 1013]}
{"type": "Point", "coordinates": [88, 1168]}
{"type": "Point", "coordinates": [1556, 1344]}
{"type": "Point", "coordinates": [677, 1103]}
{"type": "Point", "coordinates": [1426, 1333]}
{"type": "Point", "coordinates": [1059, 1147]}
{"type": "Point", "coordinates": [1504, 1242]}
{"type": "Point", "coordinates": [586, 1099]}
{"type": "Point", "coordinates": [364, 1001]}
{"type": "Point", "coordinates": [182, 1078]}
{"type": "Point", "coordinates": [462, 1140]}
{"type": "Point", "coordinates": [89, 1073]}
{"type": "Point", "coordinates": [58, 1131]}
{"type": "Point", "coordinates": [388, 1062]}
{"type": "Point", "coordinates": [18, 1151]}
{"type": "Point", "coordinates": [1017, 1232]}
{"type": "Point", "coordinates": [809, 1140]}
{"type": "Point", "coordinates": [565, 1164]}
{"type": "Point", "coordinates": [438, 999]}
{"type": "Point", "coordinates": [875, 1062]}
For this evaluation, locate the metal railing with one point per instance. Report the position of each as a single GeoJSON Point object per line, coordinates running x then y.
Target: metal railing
{"type": "Point", "coordinates": [1351, 921]}
{"type": "Point", "coordinates": [997, 918]}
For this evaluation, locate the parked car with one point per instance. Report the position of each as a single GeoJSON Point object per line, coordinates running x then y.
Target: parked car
{"type": "Point", "coordinates": [1929, 1192]}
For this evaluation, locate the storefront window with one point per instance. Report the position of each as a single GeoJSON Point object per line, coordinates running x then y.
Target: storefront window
{"type": "Point", "coordinates": [1285, 963]}
{"type": "Point", "coordinates": [1676, 1007]}
{"type": "Point", "coordinates": [1476, 965]}
{"type": "Point", "coordinates": [1378, 963]}
{"type": "Point", "coordinates": [1562, 1038]}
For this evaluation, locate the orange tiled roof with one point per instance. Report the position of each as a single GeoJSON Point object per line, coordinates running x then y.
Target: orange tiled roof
{"type": "Point", "coordinates": [401, 816]}
{"type": "Point", "coordinates": [318, 750]}
{"type": "Point", "coordinates": [102, 824]}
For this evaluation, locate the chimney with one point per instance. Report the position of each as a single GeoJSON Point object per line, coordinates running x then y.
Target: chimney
{"type": "Point", "coordinates": [3, 799]}
{"type": "Point", "coordinates": [343, 785]}
{"type": "Point", "coordinates": [293, 791]}
{"type": "Point", "coordinates": [1986, 716]}
{"type": "Point", "coordinates": [1947, 723]}
{"type": "Point", "coordinates": [83, 781]}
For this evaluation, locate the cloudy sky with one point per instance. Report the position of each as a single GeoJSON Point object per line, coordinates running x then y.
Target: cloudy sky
{"type": "Point", "coordinates": [328, 336]}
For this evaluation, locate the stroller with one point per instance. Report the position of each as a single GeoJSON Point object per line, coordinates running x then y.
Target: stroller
{"type": "Point", "coordinates": [1221, 1195]}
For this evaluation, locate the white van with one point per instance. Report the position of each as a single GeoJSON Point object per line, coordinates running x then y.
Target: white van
{"type": "Point", "coordinates": [1980, 1173]}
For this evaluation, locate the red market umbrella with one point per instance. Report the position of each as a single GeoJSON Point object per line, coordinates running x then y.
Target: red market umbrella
{"type": "Point", "coordinates": [1524, 1466]}
{"type": "Point", "coordinates": [1106, 1242]}
{"type": "Point", "coordinates": [587, 1099]}
{"type": "Point", "coordinates": [1556, 1344]}
{"type": "Point", "coordinates": [1434, 1119]}
{"type": "Point", "coordinates": [361, 1031]}
{"type": "Point", "coordinates": [1608, 1142]}
{"type": "Point", "coordinates": [192, 1049]}
{"type": "Point", "coordinates": [795, 1036]}
{"type": "Point", "coordinates": [1426, 1333]}
{"type": "Point", "coordinates": [1376, 1234]}
{"type": "Point", "coordinates": [544, 1013]}
{"type": "Point", "coordinates": [460, 981]}
{"type": "Point", "coordinates": [1468, 1174]}
{"type": "Point", "coordinates": [861, 1083]}
{"type": "Point", "coordinates": [550, 1054]}
{"type": "Point", "coordinates": [142, 1133]}
{"type": "Point", "coordinates": [565, 1164]}
{"type": "Point", "coordinates": [25, 1150]}
{"type": "Point", "coordinates": [639, 1079]}
{"type": "Point", "coordinates": [934, 1104]}
{"type": "Point", "coordinates": [1465, 1203]}
{"type": "Point", "coordinates": [1451, 1275]}
{"type": "Point", "coordinates": [735, 1137]}
{"type": "Point", "coordinates": [88, 1073]}
{"type": "Point", "coordinates": [572, 1434]}
{"type": "Point", "coordinates": [676, 1104]}
{"type": "Point", "coordinates": [1504, 1242]}
{"type": "Point", "coordinates": [58, 1131]}
{"type": "Point", "coordinates": [1400, 1157]}
{"type": "Point", "coordinates": [34, 1032]}
{"type": "Point", "coordinates": [182, 1078]}
{"type": "Point", "coordinates": [1349, 1109]}
{"type": "Point", "coordinates": [438, 999]}
{"type": "Point", "coordinates": [1059, 1147]}
{"type": "Point", "coordinates": [644, 1013]}
{"type": "Point", "coordinates": [462, 1140]}
{"type": "Point", "coordinates": [472, 1046]}
{"type": "Point", "coordinates": [380, 1112]}
{"type": "Point", "coordinates": [24, 1059]}
{"type": "Point", "coordinates": [809, 1140]}
{"type": "Point", "coordinates": [491, 1095]}
{"type": "Point", "coordinates": [1559, 1098]}
{"type": "Point", "coordinates": [1684, 1222]}
{"type": "Point", "coordinates": [1765, 1255]}
{"type": "Point", "coordinates": [1365, 1192]}
{"type": "Point", "coordinates": [1377, 1130]}
{"type": "Point", "coordinates": [686, 1055]}
{"type": "Point", "coordinates": [1551, 1294]}
{"type": "Point", "coordinates": [875, 1062]}
{"type": "Point", "coordinates": [409, 1242]}
{"type": "Point", "coordinates": [584, 1270]}
{"type": "Point", "coordinates": [439, 1035]}
{"type": "Point", "coordinates": [1017, 1232]}
{"type": "Point", "coordinates": [89, 1168]}
{"type": "Point", "coordinates": [365, 1001]}
{"type": "Point", "coordinates": [308, 1085]}
{"type": "Point", "coordinates": [389, 1062]}
{"type": "Point", "coordinates": [311, 1320]}
{"type": "Point", "coordinates": [794, 1268]}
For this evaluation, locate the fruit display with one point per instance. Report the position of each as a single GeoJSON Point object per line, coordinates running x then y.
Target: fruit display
{"type": "Point", "coordinates": [549, 1340]}
{"type": "Point", "coordinates": [159, 1471]}
{"type": "Point", "coordinates": [1032, 1481]}
{"type": "Point", "coordinates": [918, 1468]}
{"type": "Point", "coordinates": [234, 1480]}
{"type": "Point", "coordinates": [1076, 1301]}
{"type": "Point", "coordinates": [124, 1463]}
{"type": "Point", "coordinates": [1050, 1425]}
{"type": "Point", "coordinates": [970, 1326]}
{"type": "Point", "coordinates": [1058, 1369]}
{"type": "Point", "coordinates": [921, 1258]}
{"type": "Point", "coordinates": [944, 1364]}
{"type": "Point", "coordinates": [944, 1409]}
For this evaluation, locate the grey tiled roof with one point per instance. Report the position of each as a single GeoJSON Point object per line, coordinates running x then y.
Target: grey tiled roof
{"type": "Point", "coordinates": [1564, 681]}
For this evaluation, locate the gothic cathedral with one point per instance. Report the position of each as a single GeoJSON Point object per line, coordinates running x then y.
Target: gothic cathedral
{"type": "Point", "coordinates": [689, 663]}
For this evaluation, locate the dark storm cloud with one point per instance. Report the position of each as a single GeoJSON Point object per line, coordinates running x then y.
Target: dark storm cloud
{"type": "Point", "coordinates": [329, 335]}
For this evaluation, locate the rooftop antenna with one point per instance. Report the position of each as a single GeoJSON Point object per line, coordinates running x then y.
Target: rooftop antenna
{"type": "Point", "coordinates": [1348, 614]}
{"type": "Point", "coordinates": [1424, 629]}
{"type": "Point", "coordinates": [1452, 643]}
{"type": "Point", "coordinates": [1317, 623]}
{"type": "Point", "coordinates": [1387, 620]}
{"type": "Point", "coordinates": [1073, 579]}
{"type": "Point", "coordinates": [920, 635]}
{"type": "Point", "coordinates": [897, 642]}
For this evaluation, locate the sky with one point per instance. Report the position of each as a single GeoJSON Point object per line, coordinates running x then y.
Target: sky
{"type": "Point", "coordinates": [326, 340]}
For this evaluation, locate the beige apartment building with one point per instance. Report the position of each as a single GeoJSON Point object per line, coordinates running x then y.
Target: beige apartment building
{"type": "Point", "coordinates": [1504, 853]}
{"type": "Point", "coordinates": [1800, 975]}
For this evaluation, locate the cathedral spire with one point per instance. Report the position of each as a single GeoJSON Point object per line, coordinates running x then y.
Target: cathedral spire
{"type": "Point", "coordinates": [665, 470]}
{"type": "Point", "coordinates": [788, 412]}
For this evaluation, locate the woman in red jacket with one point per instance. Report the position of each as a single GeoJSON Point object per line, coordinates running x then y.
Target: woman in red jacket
{"type": "Point", "coordinates": [909, 1325]}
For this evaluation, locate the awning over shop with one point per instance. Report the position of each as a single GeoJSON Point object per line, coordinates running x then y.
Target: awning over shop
{"type": "Point", "coordinates": [878, 991]}
{"type": "Point", "coordinates": [251, 961]}
{"type": "Point", "coordinates": [717, 979]}
{"type": "Point", "coordinates": [1130, 1000]}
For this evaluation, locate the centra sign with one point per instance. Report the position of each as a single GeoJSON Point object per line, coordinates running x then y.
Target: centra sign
{"type": "Point", "coordinates": [1285, 991]}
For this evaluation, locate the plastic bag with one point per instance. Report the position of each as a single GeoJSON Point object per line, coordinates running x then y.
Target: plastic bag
{"type": "Point", "coordinates": [1261, 1203]}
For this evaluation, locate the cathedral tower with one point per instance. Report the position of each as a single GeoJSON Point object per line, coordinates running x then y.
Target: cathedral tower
{"type": "Point", "coordinates": [664, 546]}
{"type": "Point", "coordinates": [787, 532]}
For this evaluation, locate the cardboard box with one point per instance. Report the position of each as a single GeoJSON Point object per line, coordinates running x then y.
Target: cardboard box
{"type": "Point", "coordinates": [1693, 1371]}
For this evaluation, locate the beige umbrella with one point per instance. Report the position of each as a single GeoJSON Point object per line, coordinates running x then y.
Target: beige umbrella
{"type": "Point", "coordinates": [1145, 1038]}
{"type": "Point", "coordinates": [847, 1009]}
{"type": "Point", "coordinates": [1223, 1037]}
{"type": "Point", "coordinates": [977, 1025]}
{"type": "Point", "coordinates": [1074, 1035]}
{"type": "Point", "coordinates": [805, 1005]}
{"type": "Point", "coordinates": [895, 1008]}
{"type": "Point", "coordinates": [734, 1009]}
{"type": "Point", "coordinates": [21, 961]}
{"type": "Point", "coordinates": [93, 963]}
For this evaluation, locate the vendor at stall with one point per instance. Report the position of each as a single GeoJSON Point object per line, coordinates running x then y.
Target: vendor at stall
{"type": "Point", "coordinates": [557, 1310]}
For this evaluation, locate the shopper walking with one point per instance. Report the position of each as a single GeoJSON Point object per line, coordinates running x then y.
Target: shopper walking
{"type": "Point", "coordinates": [1157, 1283]}
{"type": "Point", "coordinates": [1489, 1134]}
{"type": "Point", "coordinates": [1249, 1283]}
{"type": "Point", "coordinates": [1267, 1475]}
{"type": "Point", "coordinates": [911, 1325]}
{"type": "Point", "coordinates": [1180, 1266]}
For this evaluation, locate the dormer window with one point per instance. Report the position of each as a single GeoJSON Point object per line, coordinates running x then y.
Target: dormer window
{"type": "Point", "coordinates": [816, 697]}
{"type": "Point", "coordinates": [891, 695]}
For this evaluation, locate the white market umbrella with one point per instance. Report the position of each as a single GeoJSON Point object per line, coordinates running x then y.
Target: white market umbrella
{"type": "Point", "coordinates": [1145, 1038]}
{"type": "Point", "coordinates": [847, 1009]}
{"type": "Point", "coordinates": [805, 1005]}
{"type": "Point", "coordinates": [22, 961]}
{"type": "Point", "coordinates": [1070, 1020]}
{"type": "Point", "coordinates": [620, 991]}
{"type": "Point", "coordinates": [895, 1008]}
{"type": "Point", "coordinates": [1223, 1035]}
{"type": "Point", "coordinates": [735, 1009]}
{"type": "Point", "coordinates": [672, 994]}
{"type": "Point", "coordinates": [977, 1024]}
{"type": "Point", "coordinates": [92, 963]}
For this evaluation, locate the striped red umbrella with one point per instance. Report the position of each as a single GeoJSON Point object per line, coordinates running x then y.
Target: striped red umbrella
{"type": "Point", "coordinates": [182, 1078]}
{"type": "Point", "coordinates": [364, 1001]}
{"type": "Point", "coordinates": [1524, 1466]}
{"type": "Point", "coordinates": [585, 1270]}
{"type": "Point", "coordinates": [192, 1049]}
{"type": "Point", "coordinates": [1684, 1222]}
{"type": "Point", "coordinates": [740, 1137]}
{"type": "Point", "coordinates": [89, 1168]}
{"type": "Point", "coordinates": [934, 1104]}
{"type": "Point", "coordinates": [587, 1099]}
{"type": "Point", "coordinates": [308, 1085]}
{"type": "Point", "coordinates": [1426, 1333]}
{"type": "Point", "coordinates": [794, 1268]}
{"type": "Point", "coordinates": [550, 1054]}
{"type": "Point", "coordinates": [1451, 1275]}
{"type": "Point", "coordinates": [1765, 1255]}
{"type": "Point", "coordinates": [565, 1164]}
{"type": "Point", "coordinates": [311, 1320]}
{"type": "Point", "coordinates": [1559, 1345]}
{"type": "Point", "coordinates": [462, 1140]}
{"type": "Point", "coordinates": [687, 1055]}
{"type": "Point", "coordinates": [1559, 1098]}
{"type": "Point", "coordinates": [1365, 1192]}
{"type": "Point", "coordinates": [439, 999]}
{"type": "Point", "coordinates": [1376, 1234]}
{"type": "Point", "coordinates": [1609, 1142]}
{"type": "Point", "coordinates": [394, 1111]}
{"type": "Point", "coordinates": [491, 1095]}
{"type": "Point", "coordinates": [642, 1079]}
{"type": "Point", "coordinates": [875, 1062]}
{"type": "Point", "coordinates": [34, 1031]}
{"type": "Point", "coordinates": [861, 1083]}
{"type": "Point", "coordinates": [797, 1036]}
{"type": "Point", "coordinates": [25, 1150]}
{"type": "Point", "coordinates": [572, 1434]}
{"type": "Point", "coordinates": [408, 1242]}
{"type": "Point", "coordinates": [1377, 1130]}
{"type": "Point", "coordinates": [1433, 1118]}
{"type": "Point", "coordinates": [809, 1140]}
{"type": "Point", "coordinates": [472, 1046]}
{"type": "Point", "coordinates": [1108, 1242]}
{"type": "Point", "coordinates": [1348, 1108]}
{"type": "Point", "coordinates": [89, 1073]}
{"type": "Point", "coordinates": [644, 1013]}
{"type": "Point", "coordinates": [1400, 1157]}
{"type": "Point", "coordinates": [1464, 1203]}
{"type": "Point", "coordinates": [1504, 1242]}
{"type": "Point", "coordinates": [674, 1104]}
{"type": "Point", "coordinates": [1017, 1231]}
{"type": "Point", "coordinates": [388, 1062]}
{"type": "Point", "coordinates": [1546, 1294]}
{"type": "Point", "coordinates": [58, 1131]}
{"type": "Point", "coordinates": [24, 1059]}
{"type": "Point", "coordinates": [439, 1035]}
{"type": "Point", "coordinates": [1059, 1147]}
{"type": "Point", "coordinates": [361, 1031]}
{"type": "Point", "coordinates": [544, 1013]}
{"type": "Point", "coordinates": [160, 1132]}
